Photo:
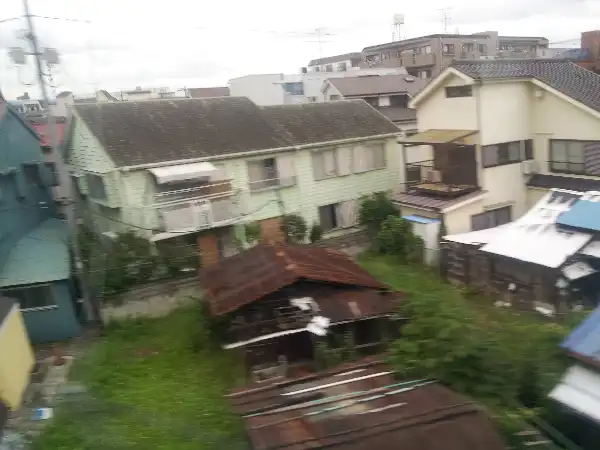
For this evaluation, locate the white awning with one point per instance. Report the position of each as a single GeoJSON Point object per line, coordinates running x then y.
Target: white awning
{"type": "Point", "coordinates": [183, 172]}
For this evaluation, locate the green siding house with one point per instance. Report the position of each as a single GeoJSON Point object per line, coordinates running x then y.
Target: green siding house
{"type": "Point", "coordinates": [35, 263]}
{"type": "Point", "coordinates": [203, 167]}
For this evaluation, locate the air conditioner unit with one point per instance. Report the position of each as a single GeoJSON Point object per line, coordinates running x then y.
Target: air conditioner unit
{"type": "Point", "coordinates": [434, 176]}
{"type": "Point", "coordinates": [530, 167]}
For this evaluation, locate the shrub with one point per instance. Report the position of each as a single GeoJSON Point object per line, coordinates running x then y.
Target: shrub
{"type": "Point", "coordinates": [252, 232]}
{"type": "Point", "coordinates": [294, 228]}
{"type": "Point", "coordinates": [316, 233]}
{"type": "Point", "coordinates": [396, 238]}
{"type": "Point", "coordinates": [373, 210]}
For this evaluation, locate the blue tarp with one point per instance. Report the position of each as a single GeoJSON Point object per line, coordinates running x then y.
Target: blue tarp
{"type": "Point", "coordinates": [585, 339]}
{"type": "Point", "coordinates": [584, 215]}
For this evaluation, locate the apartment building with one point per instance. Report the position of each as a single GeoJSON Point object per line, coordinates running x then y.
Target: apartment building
{"type": "Point", "coordinates": [338, 63]}
{"type": "Point", "coordinates": [200, 169]}
{"type": "Point", "coordinates": [427, 56]}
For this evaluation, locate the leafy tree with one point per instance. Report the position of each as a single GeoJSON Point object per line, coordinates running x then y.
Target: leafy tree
{"type": "Point", "coordinates": [294, 228]}
{"type": "Point", "coordinates": [252, 232]}
{"type": "Point", "coordinates": [373, 210]}
{"type": "Point", "coordinates": [316, 233]}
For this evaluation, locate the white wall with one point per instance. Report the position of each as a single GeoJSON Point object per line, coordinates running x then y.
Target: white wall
{"type": "Point", "coordinates": [263, 89]}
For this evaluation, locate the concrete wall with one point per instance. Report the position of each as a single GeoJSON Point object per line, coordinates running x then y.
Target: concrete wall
{"type": "Point", "coordinates": [262, 89]}
{"type": "Point", "coordinates": [16, 359]}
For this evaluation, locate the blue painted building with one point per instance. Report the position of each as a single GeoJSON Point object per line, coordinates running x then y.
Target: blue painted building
{"type": "Point", "coordinates": [35, 261]}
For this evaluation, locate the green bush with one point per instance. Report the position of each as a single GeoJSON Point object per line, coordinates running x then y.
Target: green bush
{"type": "Point", "coordinates": [373, 210]}
{"type": "Point", "coordinates": [396, 238]}
{"type": "Point", "coordinates": [316, 233]}
{"type": "Point", "coordinates": [294, 228]}
{"type": "Point", "coordinates": [252, 232]}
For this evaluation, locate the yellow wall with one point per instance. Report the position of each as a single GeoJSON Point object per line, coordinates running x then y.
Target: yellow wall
{"type": "Point", "coordinates": [16, 359]}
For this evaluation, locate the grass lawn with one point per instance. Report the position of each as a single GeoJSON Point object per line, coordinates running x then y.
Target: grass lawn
{"type": "Point", "coordinates": [152, 390]}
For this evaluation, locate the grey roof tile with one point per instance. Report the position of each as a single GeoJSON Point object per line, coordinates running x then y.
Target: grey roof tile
{"type": "Point", "coordinates": [378, 85]}
{"type": "Point", "coordinates": [576, 82]}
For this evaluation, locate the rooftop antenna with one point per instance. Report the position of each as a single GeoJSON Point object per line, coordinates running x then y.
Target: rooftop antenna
{"type": "Point", "coordinates": [445, 18]}
{"type": "Point", "coordinates": [397, 26]}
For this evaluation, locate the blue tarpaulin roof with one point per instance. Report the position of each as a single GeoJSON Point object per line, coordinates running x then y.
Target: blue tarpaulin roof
{"type": "Point", "coordinates": [419, 219]}
{"type": "Point", "coordinates": [584, 215]}
{"type": "Point", "coordinates": [40, 256]}
{"type": "Point", "coordinates": [585, 339]}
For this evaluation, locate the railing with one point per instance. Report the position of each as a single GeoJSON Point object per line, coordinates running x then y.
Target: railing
{"type": "Point", "coordinates": [412, 60]}
{"type": "Point", "coordinates": [197, 215]}
{"type": "Point", "coordinates": [272, 183]}
{"type": "Point", "coordinates": [205, 191]}
{"type": "Point", "coordinates": [422, 176]}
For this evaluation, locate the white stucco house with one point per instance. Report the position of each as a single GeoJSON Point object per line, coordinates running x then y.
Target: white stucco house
{"type": "Point", "coordinates": [495, 136]}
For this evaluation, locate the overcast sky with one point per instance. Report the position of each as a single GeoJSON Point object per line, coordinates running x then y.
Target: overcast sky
{"type": "Point", "coordinates": [193, 43]}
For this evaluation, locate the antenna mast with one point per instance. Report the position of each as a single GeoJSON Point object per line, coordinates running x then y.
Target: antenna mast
{"type": "Point", "coordinates": [397, 27]}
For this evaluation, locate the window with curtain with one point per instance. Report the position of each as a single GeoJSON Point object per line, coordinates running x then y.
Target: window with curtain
{"type": "Point", "coordinates": [324, 164]}
{"type": "Point", "coordinates": [576, 157]}
{"type": "Point", "coordinates": [506, 153]}
{"type": "Point", "coordinates": [262, 173]}
{"type": "Point", "coordinates": [338, 215]}
{"type": "Point", "coordinates": [40, 296]}
{"type": "Point", "coordinates": [491, 219]}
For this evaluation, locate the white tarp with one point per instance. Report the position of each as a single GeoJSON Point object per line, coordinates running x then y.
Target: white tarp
{"type": "Point", "coordinates": [170, 174]}
{"type": "Point", "coordinates": [580, 390]}
{"type": "Point", "coordinates": [535, 238]}
{"type": "Point", "coordinates": [479, 237]}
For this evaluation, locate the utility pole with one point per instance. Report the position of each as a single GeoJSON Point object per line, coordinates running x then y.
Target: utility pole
{"type": "Point", "coordinates": [91, 311]}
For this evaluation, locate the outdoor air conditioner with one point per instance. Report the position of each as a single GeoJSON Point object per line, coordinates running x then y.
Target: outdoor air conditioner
{"type": "Point", "coordinates": [434, 176]}
{"type": "Point", "coordinates": [530, 167]}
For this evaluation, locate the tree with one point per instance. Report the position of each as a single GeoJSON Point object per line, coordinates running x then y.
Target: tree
{"type": "Point", "coordinates": [316, 233]}
{"type": "Point", "coordinates": [294, 228]}
{"type": "Point", "coordinates": [396, 238]}
{"type": "Point", "coordinates": [373, 210]}
{"type": "Point", "coordinates": [252, 232]}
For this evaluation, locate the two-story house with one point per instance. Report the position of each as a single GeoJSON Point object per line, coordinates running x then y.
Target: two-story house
{"type": "Point", "coordinates": [35, 262]}
{"type": "Point", "coordinates": [500, 134]}
{"type": "Point", "coordinates": [200, 168]}
{"type": "Point", "coordinates": [389, 94]}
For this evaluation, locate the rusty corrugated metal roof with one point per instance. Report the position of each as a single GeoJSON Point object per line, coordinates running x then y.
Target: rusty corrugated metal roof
{"type": "Point", "coordinates": [361, 407]}
{"type": "Point", "coordinates": [268, 267]}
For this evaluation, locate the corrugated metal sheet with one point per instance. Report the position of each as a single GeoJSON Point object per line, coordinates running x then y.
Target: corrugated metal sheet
{"type": "Point", "coordinates": [432, 137]}
{"type": "Point", "coordinates": [579, 390]}
{"type": "Point", "coordinates": [363, 411]}
{"type": "Point", "coordinates": [268, 267]}
{"type": "Point", "coordinates": [585, 339]}
{"type": "Point", "coordinates": [430, 202]}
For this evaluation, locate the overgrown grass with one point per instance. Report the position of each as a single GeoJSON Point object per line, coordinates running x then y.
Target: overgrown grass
{"type": "Point", "coordinates": [152, 388]}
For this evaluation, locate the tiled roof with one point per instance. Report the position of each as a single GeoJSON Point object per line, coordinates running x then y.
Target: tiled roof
{"type": "Point", "coordinates": [378, 85]}
{"type": "Point", "coordinates": [136, 133]}
{"type": "Point", "coordinates": [311, 123]}
{"type": "Point", "coordinates": [360, 406]}
{"type": "Point", "coordinates": [268, 267]}
{"type": "Point", "coordinates": [546, 181]}
{"type": "Point", "coordinates": [208, 92]}
{"type": "Point", "coordinates": [168, 130]}
{"type": "Point", "coordinates": [430, 201]}
{"type": "Point", "coordinates": [566, 77]}
{"type": "Point", "coordinates": [336, 58]}
{"type": "Point", "coordinates": [398, 114]}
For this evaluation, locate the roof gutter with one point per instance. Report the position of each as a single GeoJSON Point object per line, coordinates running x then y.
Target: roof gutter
{"type": "Point", "coordinates": [256, 152]}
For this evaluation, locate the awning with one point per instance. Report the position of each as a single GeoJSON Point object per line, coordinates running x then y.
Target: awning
{"type": "Point", "coordinates": [182, 172]}
{"type": "Point", "coordinates": [431, 137]}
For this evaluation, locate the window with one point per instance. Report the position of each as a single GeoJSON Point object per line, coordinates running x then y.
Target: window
{"type": "Point", "coordinates": [399, 100]}
{"type": "Point", "coordinates": [427, 49]}
{"type": "Point", "coordinates": [294, 88]}
{"type": "Point", "coordinates": [506, 153]}
{"type": "Point", "coordinates": [368, 157]}
{"type": "Point", "coordinates": [483, 48]}
{"type": "Point", "coordinates": [328, 68]}
{"type": "Point", "coordinates": [577, 157]}
{"type": "Point", "coordinates": [448, 49]}
{"type": "Point", "coordinates": [424, 74]}
{"type": "Point", "coordinates": [32, 297]}
{"type": "Point", "coordinates": [470, 47]}
{"type": "Point", "coordinates": [373, 101]}
{"type": "Point", "coordinates": [459, 91]}
{"type": "Point", "coordinates": [334, 97]}
{"type": "Point", "coordinates": [324, 164]}
{"type": "Point", "coordinates": [417, 51]}
{"type": "Point", "coordinates": [263, 174]}
{"type": "Point", "coordinates": [96, 187]}
{"type": "Point", "coordinates": [491, 219]}
{"type": "Point", "coordinates": [54, 175]}
{"type": "Point", "coordinates": [338, 215]}
{"type": "Point", "coordinates": [342, 67]}
{"type": "Point", "coordinates": [32, 174]}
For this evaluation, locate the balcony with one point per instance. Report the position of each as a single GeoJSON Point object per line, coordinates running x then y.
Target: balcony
{"type": "Point", "coordinates": [423, 177]}
{"type": "Point", "coordinates": [195, 215]}
{"type": "Point", "coordinates": [421, 60]}
{"type": "Point", "coordinates": [272, 183]}
{"type": "Point", "coordinates": [182, 192]}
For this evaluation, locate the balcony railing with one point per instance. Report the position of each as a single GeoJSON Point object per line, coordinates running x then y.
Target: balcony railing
{"type": "Point", "coordinates": [272, 183]}
{"type": "Point", "coordinates": [212, 190]}
{"type": "Point", "coordinates": [422, 177]}
{"type": "Point", "coordinates": [197, 215]}
{"type": "Point", "coordinates": [412, 60]}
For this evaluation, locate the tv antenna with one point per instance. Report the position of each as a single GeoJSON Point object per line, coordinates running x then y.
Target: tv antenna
{"type": "Point", "coordinates": [445, 18]}
{"type": "Point", "coordinates": [397, 26]}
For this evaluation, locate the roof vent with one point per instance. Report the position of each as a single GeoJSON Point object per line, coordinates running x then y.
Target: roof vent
{"type": "Point", "coordinates": [409, 79]}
